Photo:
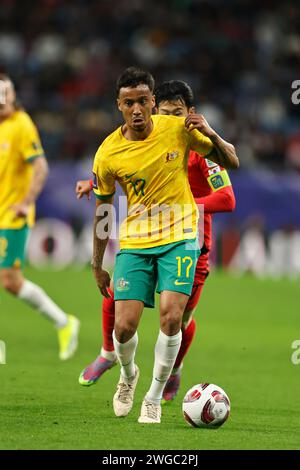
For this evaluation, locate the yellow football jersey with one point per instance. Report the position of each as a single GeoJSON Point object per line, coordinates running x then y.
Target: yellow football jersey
{"type": "Point", "coordinates": [19, 145]}
{"type": "Point", "coordinates": [153, 176]}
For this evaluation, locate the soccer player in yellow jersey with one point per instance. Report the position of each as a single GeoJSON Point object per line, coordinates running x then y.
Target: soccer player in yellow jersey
{"type": "Point", "coordinates": [23, 172]}
{"type": "Point", "coordinates": [158, 240]}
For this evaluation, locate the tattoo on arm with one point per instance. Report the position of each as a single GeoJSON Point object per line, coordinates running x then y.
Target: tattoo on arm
{"type": "Point", "coordinates": [224, 153]}
{"type": "Point", "coordinates": [103, 222]}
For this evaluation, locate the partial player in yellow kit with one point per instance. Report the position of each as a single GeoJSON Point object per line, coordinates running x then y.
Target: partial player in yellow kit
{"type": "Point", "coordinates": [23, 172]}
{"type": "Point", "coordinates": [148, 156]}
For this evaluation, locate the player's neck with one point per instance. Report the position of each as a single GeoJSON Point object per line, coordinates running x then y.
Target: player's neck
{"type": "Point", "coordinates": [7, 115]}
{"type": "Point", "coordinates": [131, 134]}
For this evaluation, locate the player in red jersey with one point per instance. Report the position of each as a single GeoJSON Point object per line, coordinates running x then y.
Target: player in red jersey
{"type": "Point", "coordinates": [210, 185]}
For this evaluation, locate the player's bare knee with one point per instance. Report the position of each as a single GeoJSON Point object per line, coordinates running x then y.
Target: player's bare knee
{"type": "Point", "coordinates": [10, 283]}
{"type": "Point", "coordinates": [171, 321]}
{"type": "Point", "coordinates": [171, 313]}
{"type": "Point", "coordinates": [124, 329]}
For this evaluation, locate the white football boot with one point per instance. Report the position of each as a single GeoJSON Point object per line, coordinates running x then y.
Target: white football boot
{"type": "Point", "coordinates": [123, 398]}
{"type": "Point", "coordinates": [150, 413]}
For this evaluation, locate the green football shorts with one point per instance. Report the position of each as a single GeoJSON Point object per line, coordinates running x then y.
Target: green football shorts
{"type": "Point", "coordinates": [169, 267]}
{"type": "Point", "coordinates": [12, 247]}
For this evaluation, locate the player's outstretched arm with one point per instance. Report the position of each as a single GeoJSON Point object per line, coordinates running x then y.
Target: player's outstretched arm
{"type": "Point", "coordinates": [38, 179]}
{"type": "Point", "coordinates": [102, 228]}
{"type": "Point", "coordinates": [222, 200]}
{"type": "Point", "coordinates": [84, 187]}
{"type": "Point", "coordinates": [223, 153]}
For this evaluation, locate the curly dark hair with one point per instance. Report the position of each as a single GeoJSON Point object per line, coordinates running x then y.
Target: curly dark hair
{"type": "Point", "coordinates": [132, 77]}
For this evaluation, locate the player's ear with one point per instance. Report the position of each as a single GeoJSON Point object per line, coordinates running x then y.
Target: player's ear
{"type": "Point", "coordinates": [153, 101]}
{"type": "Point", "coordinates": [119, 104]}
{"type": "Point", "coordinates": [10, 93]}
{"type": "Point", "coordinates": [192, 110]}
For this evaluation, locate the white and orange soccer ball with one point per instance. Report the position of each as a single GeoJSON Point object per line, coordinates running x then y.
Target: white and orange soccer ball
{"type": "Point", "coordinates": [206, 406]}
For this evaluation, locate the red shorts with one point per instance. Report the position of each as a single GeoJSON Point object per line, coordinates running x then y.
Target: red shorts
{"type": "Point", "coordinates": [202, 271]}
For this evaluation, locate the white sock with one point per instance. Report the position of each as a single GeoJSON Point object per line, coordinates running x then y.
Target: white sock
{"type": "Point", "coordinates": [166, 350]}
{"type": "Point", "coordinates": [125, 353]}
{"type": "Point", "coordinates": [109, 355]}
{"type": "Point", "coordinates": [38, 299]}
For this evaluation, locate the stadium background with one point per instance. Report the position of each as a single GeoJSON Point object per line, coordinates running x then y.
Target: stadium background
{"type": "Point", "coordinates": [240, 58]}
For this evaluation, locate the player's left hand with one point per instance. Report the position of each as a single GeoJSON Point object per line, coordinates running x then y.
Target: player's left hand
{"type": "Point", "coordinates": [21, 210]}
{"type": "Point", "coordinates": [83, 188]}
{"type": "Point", "coordinates": [198, 121]}
{"type": "Point", "coordinates": [103, 281]}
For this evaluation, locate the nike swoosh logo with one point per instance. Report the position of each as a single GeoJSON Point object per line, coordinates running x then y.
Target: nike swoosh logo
{"type": "Point", "coordinates": [178, 283]}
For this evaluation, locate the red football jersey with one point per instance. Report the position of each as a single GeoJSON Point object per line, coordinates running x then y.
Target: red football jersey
{"type": "Point", "coordinates": [210, 185]}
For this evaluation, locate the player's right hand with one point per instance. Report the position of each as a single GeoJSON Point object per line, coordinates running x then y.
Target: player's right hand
{"type": "Point", "coordinates": [83, 188]}
{"type": "Point", "coordinates": [21, 210]}
{"type": "Point", "coordinates": [198, 121]}
{"type": "Point", "coordinates": [103, 281]}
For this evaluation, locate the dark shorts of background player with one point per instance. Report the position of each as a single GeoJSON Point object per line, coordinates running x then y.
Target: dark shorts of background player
{"type": "Point", "coordinates": [138, 273]}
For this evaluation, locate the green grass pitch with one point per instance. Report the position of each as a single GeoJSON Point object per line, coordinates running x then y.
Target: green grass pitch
{"type": "Point", "coordinates": [245, 329]}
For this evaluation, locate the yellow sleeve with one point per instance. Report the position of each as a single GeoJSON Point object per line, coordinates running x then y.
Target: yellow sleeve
{"type": "Point", "coordinates": [30, 144]}
{"type": "Point", "coordinates": [104, 180]}
{"type": "Point", "coordinates": [200, 143]}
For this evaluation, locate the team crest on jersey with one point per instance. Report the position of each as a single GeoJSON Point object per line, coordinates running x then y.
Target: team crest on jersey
{"type": "Point", "coordinates": [217, 181]}
{"type": "Point", "coordinates": [122, 285]}
{"type": "Point", "coordinates": [215, 170]}
{"type": "Point", "coordinates": [209, 163]}
{"type": "Point", "coordinates": [172, 156]}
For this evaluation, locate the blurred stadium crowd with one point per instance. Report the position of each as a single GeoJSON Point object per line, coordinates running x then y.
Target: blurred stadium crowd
{"type": "Point", "coordinates": [239, 56]}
